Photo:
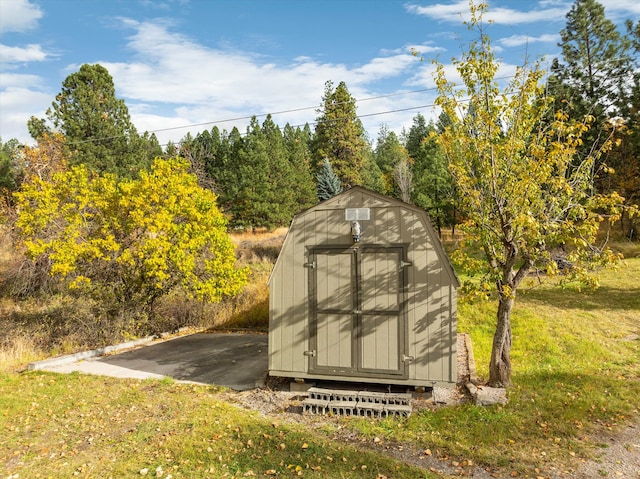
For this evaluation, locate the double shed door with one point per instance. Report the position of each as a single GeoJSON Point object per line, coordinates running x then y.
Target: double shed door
{"type": "Point", "coordinates": [357, 308]}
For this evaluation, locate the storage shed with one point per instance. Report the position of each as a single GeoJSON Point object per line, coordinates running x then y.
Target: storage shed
{"type": "Point", "coordinates": [363, 291]}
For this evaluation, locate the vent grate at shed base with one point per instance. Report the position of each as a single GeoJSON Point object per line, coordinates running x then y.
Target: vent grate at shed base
{"type": "Point", "coordinates": [357, 403]}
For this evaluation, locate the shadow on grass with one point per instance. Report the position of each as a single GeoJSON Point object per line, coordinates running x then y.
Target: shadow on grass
{"type": "Point", "coordinates": [554, 412]}
{"type": "Point", "coordinates": [602, 298]}
{"type": "Point", "coordinates": [564, 402]}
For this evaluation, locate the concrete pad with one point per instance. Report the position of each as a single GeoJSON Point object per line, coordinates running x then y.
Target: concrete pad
{"type": "Point", "coordinates": [237, 361]}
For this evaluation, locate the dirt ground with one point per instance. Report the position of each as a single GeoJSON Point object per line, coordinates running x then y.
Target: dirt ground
{"type": "Point", "coordinates": [619, 455]}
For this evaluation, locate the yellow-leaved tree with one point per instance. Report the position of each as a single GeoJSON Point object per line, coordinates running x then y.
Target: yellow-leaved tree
{"type": "Point", "coordinates": [523, 188]}
{"type": "Point", "coordinates": [128, 242]}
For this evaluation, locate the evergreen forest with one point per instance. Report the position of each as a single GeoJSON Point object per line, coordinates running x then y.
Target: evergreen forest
{"type": "Point", "coordinates": [266, 173]}
{"type": "Point", "coordinates": [112, 215]}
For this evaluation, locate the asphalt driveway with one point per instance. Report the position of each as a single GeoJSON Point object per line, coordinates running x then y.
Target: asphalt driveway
{"type": "Point", "coordinates": [238, 361]}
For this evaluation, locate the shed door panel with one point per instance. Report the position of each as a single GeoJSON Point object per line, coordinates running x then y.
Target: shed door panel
{"type": "Point", "coordinates": [380, 344]}
{"type": "Point", "coordinates": [333, 282]}
{"type": "Point", "coordinates": [380, 328]}
{"type": "Point", "coordinates": [334, 311]}
{"type": "Point", "coordinates": [358, 321]}
{"type": "Point", "coordinates": [334, 341]}
{"type": "Point", "coordinates": [380, 280]}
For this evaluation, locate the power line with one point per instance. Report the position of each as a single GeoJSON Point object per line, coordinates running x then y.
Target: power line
{"type": "Point", "coordinates": [260, 115]}
{"type": "Point", "coordinates": [294, 110]}
{"type": "Point", "coordinates": [386, 112]}
{"type": "Point", "coordinates": [291, 110]}
{"type": "Point", "coordinates": [281, 112]}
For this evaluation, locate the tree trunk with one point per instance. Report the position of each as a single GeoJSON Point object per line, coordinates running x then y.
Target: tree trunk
{"type": "Point", "coordinates": [500, 365]}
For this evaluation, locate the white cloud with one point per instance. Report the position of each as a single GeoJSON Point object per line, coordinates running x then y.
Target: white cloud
{"type": "Point", "coordinates": [622, 8]}
{"type": "Point", "coordinates": [385, 67]}
{"type": "Point", "coordinates": [18, 15]}
{"type": "Point", "coordinates": [20, 96]}
{"type": "Point", "coordinates": [16, 80]}
{"type": "Point", "coordinates": [176, 81]}
{"type": "Point", "coordinates": [30, 53]}
{"type": "Point", "coordinates": [453, 12]}
{"type": "Point", "coordinates": [163, 5]}
{"type": "Point", "coordinates": [419, 49]}
{"type": "Point", "coordinates": [519, 40]}
{"type": "Point", "coordinates": [19, 103]}
{"type": "Point", "coordinates": [424, 77]}
{"type": "Point", "coordinates": [457, 11]}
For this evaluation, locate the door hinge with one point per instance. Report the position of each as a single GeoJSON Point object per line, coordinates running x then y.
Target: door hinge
{"type": "Point", "coordinates": [311, 265]}
{"type": "Point", "coordinates": [405, 263]}
{"type": "Point", "coordinates": [408, 359]}
{"type": "Point", "coordinates": [311, 353]}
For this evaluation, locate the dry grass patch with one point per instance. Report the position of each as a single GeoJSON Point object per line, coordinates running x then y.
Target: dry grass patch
{"type": "Point", "coordinates": [56, 324]}
{"type": "Point", "coordinates": [20, 350]}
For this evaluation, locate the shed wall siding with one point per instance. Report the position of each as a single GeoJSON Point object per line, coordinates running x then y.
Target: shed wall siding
{"type": "Point", "coordinates": [430, 290]}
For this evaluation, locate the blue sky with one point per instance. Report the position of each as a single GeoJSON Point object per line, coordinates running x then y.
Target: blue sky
{"type": "Point", "coordinates": [182, 63]}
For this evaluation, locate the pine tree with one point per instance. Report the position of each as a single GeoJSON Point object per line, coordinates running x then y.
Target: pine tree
{"type": "Point", "coordinates": [250, 198]}
{"type": "Point", "coordinates": [596, 58]}
{"type": "Point", "coordinates": [150, 145]}
{"type": "Point", "coordinates": [416, 134]}
{"type": "Point", "coordinates": [388, 154]}
{"type": "Point", "coordinates": [96, 125]}
{"type": "Point", "coordinates": [226, 172]}
{"type": "Point", "coordinates": [297, 142]}
{"type": "Point", "coordinates": [592, 80]}
{"type": "Point", "coordinates": [9, 168]}
{"type": "Point", "coordinates": [432, 184]}
{"type": "Point", "coordinates": [329, 184]}
{"type": "Point", "coordinates": [258, 180]}
{"type": "Point", "coordinates": [282, 179]}
{"type": "Point", "coordinates": [371, 175]}
{"type": "Point", "coordinates": [625, 156]}
{"type": "Point", "coordinates": [211, 147]}
{"type": "Point", "coordinates": [339, 135]}
{"type": "Point", "coordinates": [170, 150]}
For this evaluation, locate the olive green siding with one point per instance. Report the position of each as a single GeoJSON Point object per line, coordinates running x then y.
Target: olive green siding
{"type": "Point", "coordinates": [382, 310]}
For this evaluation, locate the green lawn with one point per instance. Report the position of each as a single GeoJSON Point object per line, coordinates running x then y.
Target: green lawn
{"type": "Point", "coordinates": [576, 372]}
{"type": "Point", "coordinates": [62, 426]}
